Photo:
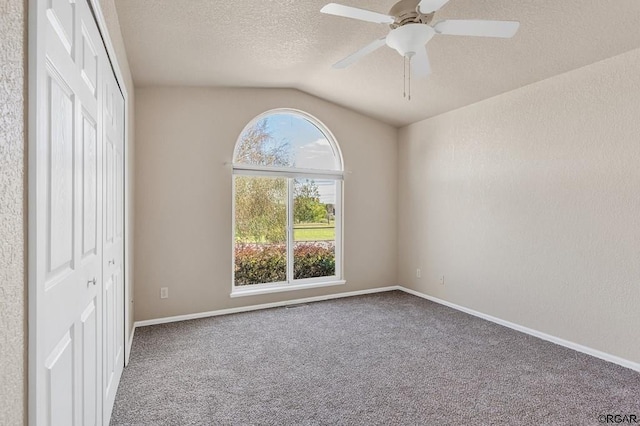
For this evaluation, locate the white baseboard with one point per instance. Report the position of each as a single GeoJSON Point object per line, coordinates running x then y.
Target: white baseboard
{"type": "Point", "coordinates": [553, 339]}
{"type": "Point", "coordinates": [544, 336]}
{"type": "Point", "coordinates": [258, 307]}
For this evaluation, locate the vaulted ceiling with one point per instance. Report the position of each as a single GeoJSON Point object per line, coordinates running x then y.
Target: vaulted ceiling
{"type": "Point", "coordinates": [290, 44]}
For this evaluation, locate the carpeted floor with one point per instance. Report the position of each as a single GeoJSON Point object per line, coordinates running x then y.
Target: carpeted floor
{"type": "Point", "coordinates": [383, 359]}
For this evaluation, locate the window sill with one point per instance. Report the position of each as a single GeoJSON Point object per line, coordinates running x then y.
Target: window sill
{"type": "Point", "coordinates": [251, 291]}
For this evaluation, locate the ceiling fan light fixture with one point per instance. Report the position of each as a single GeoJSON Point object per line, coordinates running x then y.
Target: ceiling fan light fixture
{"type": "Point", "coordinates": [409, 39]}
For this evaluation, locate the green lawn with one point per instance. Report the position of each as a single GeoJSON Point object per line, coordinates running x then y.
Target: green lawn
{"type": "Point", "coordinates": [308, 232]}
{"type": "Point", "coordinates": [314, 232]}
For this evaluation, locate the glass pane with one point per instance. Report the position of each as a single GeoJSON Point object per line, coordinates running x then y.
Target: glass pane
{"type": "Point", "coordinates": [260, 231]}
{"type": "Point", "coordinates": [314, 229]}
{"type": "Point", "coordinates": [286, 140]}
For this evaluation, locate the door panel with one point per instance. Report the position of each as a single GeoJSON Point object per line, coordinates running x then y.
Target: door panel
{"type": "Point", "coordinates": [119, 195]}
{"type": "Point", "coordinates": [60, 177]}
{"type": "Point", "coordinates": [66, 231]}
{"type": "Point", "coordinates": [61, 14]}
{"type": "Point", "coordinates": [113, 297]}
{"type": "Point", "coordinates": [89, 63]}
{"type": "Point", "coordinates": [89, 148]}
{"type": "Point", "coordinates": [60, 372]}
{"type": "Point", "coordinates": [109, 341]}
{"type": "Point", "coordinates": [90, 367]}
{"type": "Point", "coordinates": [109, 190]}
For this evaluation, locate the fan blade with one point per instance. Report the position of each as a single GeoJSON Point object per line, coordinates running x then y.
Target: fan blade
{"type": "Point", "coordinates": [420, 63]}
{"type": "Point", "coordinates": [464, 27]}
{"type": "Point", "coordinates": [428, 6]}
{"type": "Point", "coordinates": [360, 53]}
{"type": "Point", "coordinates": [355, 13]}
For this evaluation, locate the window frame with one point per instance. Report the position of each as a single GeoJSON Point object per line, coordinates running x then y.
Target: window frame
{"type": "Point", "coordinates": [291, 174]}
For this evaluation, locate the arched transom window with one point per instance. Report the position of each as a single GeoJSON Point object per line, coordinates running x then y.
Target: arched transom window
{"type": "Point", "coordinates": [287, 189]}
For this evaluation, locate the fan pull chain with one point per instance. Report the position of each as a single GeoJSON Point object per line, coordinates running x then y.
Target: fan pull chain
{"type": "Point", "coordinates": [406, 79]}
{"type": "Point", "coordinates": [404, 76]}
{"type": "Point", "coordinates": [411, 56]}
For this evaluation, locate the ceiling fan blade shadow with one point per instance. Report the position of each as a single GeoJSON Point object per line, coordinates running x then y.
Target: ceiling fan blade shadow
{"type": "Point", "coordinates": [355, 13]}
{"type": "Point", "coordinates": [428, 6]}
{"type": "Point", "coordinates": [477, 28]}
{"type": "Point", "coordinates": [374, 45]}
{"type": "Point", "coordinates": [420, 65]}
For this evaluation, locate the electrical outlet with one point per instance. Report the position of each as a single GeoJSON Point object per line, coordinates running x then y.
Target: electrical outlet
{"type": "Point", "coordinates": [164, 292]}
{"type": "Point", "coordinates": [442, 280]}
{"type": "Point", "coordinates": [418, 273]}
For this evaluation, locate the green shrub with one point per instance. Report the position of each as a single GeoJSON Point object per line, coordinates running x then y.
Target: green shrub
{"type": "Point", "coordinates": [313, 260]}
{"type": "Point", "coordinates": [260, 263]}
{"type": "Point", "coordinates": [267, 263]}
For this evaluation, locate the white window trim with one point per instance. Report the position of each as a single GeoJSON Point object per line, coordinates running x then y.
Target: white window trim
{"type": "Point", "coordinates": [292, 173]}
{"type": "Point", "coordinates": [287, 172]}
{"type": "Point", "coordinates": [257, 289]}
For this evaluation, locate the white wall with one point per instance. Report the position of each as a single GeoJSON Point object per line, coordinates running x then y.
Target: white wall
{"type": "Point", "coordinates": [529, 204]}
{"type": "Point", "coordinates": [12, 212]}
{"type": "Point", "coordinates": [183, 232]}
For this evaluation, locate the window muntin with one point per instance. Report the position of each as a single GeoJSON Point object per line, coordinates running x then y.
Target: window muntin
{"type": "Point", "coordinates": [287, 204]}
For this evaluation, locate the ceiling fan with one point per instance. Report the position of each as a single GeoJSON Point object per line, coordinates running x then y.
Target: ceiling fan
{"type": "Point", "coordinates": [411, 29]}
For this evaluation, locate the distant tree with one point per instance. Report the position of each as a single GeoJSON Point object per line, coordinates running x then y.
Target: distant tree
{"type": "Point", "coordinates": [258, 147]}
{"type": "Point", "coordinates": [261, 213]}
{"type": "Point", "coordinates": [260, 201]}
{"type": "Point", "coordinates": [307, 207]}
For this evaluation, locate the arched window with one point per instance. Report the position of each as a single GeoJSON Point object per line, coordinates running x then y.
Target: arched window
{"type": "Point", "coordinates": [287, 210]}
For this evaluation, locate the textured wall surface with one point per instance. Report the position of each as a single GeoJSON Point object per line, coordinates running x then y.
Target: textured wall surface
{"type": "Point", "coordinates": [113, 26]}
{"type": "Point", "coordinates": [184, 137]}
{"type": "Point", "coordinates": [528, 204]}
{"type": "Point", "coordinates": [12, 213]}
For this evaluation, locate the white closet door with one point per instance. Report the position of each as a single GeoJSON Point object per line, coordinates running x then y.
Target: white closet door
{"type": "Point", "coordinates": [113, 294]}
{"type": "Point", "coordinates": [66, 201]}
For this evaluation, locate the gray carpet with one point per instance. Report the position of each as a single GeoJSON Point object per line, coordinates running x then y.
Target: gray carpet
{"type": "Point", "coordinates": [383, 359]}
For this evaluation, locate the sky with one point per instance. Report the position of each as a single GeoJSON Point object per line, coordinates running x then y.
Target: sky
{"type": "Point", "coordinates": [311, 149]}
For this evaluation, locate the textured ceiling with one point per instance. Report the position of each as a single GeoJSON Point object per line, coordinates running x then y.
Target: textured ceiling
{"type": "Point", "coordinates": [289, 43]}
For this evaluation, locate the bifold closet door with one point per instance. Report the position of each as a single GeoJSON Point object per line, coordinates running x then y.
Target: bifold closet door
{"type": "Point", "coordinates": [67, 201]}
{"type": "Point", "coordinates": [76, 229]}
{"type": "Point", "coordinates": [113, 295]}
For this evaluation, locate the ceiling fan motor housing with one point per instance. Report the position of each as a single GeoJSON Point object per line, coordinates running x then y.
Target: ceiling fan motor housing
{"type": "Point", "coordinates": [409, 39]}
{"type": "Point", "coordinates": [408, 12]}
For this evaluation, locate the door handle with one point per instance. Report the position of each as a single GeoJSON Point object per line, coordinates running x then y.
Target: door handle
{"type": "Point", "coordinates": [93, 281]}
